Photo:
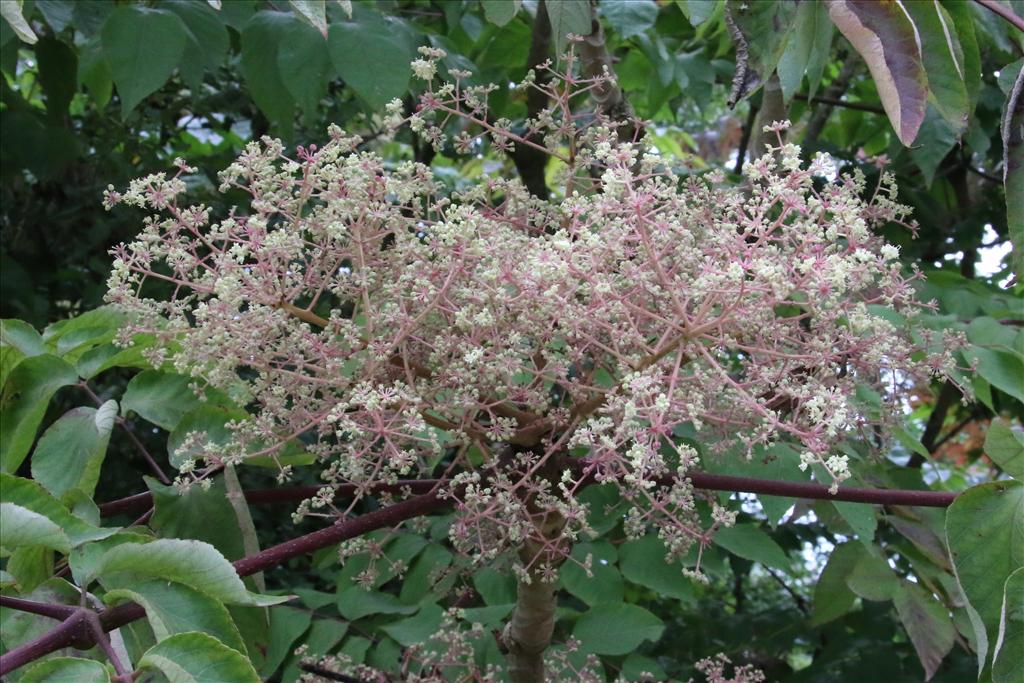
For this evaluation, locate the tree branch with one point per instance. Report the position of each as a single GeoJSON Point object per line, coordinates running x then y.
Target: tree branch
{"type": "Point", "coordinates": [70, 632]}
{"type": "Point", "coordinates": [41, 608]}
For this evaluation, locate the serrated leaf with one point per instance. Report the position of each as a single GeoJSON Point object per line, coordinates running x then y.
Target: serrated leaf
{"type": "Point", "coordinates": [187, 514]}
{"type": "Point", "coordinates": [173, 607]}
{"type": "Point", "coordinates": [192, 563]}
{"type": "Point", "coordinates": [1006, 448]}
{"type": "Point", "coordinates": [372, 56]}
{"type": "Point", "coordinates": [26, 394]}
{"type": "Point", "coordinates": [71, 451]}
{"type": "Point", "coordinates": [886, 38]}
{"type": "Point", "coordinates": [28, 494]}
{"type": "Point", "coordinates": [750, 542]}
{"type": "Point", "coordinates": [22, 527]}
{"type": "Point", "coordinates": [198, 658]}
{"type": "Point", "coordinates": [66, 670]}
{"type": "Point", "coordinates": [927, 623]}
{"type": "Point", "coordinates": [616, 628]}
{"type": "Point", "coordinates": [500, 12]}
{"type": "Point", "coordinates": [985, 535]}
{"type": "Point", "coordinates": [1007, 664]}
{"type": "Point", "coordinates": [143, 46]}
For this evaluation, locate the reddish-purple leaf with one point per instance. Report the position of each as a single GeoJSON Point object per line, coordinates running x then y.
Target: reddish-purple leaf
{"type": "Point", "coordinates": [886, 37]}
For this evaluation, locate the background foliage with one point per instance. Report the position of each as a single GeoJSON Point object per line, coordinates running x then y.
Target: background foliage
{"type": "Point", "coordinates": [96, 93]}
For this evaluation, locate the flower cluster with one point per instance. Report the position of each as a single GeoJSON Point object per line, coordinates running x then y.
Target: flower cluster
{"type": "Point", "coordinates": [523, 349]}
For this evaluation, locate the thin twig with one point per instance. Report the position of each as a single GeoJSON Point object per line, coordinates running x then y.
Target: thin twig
{"type": "Point", "coordinates": [41, 608]}
{"type": "Point", "coordinates": [1003, 11]}
{"type": "Point", "coordinates": [150, 460]}
{"type": "Point", "coordinates": [832, 102]}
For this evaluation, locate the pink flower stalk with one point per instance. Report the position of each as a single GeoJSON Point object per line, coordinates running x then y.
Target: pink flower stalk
{"type": "Point", "coordinates": [398, 329]}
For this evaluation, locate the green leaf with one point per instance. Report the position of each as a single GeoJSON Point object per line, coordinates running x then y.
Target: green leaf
{"type": "Point", "coordinates": [943, 62]}
{"type": "Point", "coordinates": [24, 400]}
{"type": "Point", "coordinates": [1001, 369]}
{"type": "Point", "coordinates": [58, 68]}
{"type": "Point", "coordinates": [605, 582]}
{"type": "Point", "coordinates": [500, 12]}
{"type": "Point", "coordinates": [10, 10]}
{"type": "Point", "coordinates": [750, 542]}
{"type": "Point", "coordinates": [616, 628]}
{"type": "Point", "coordinates": [198, 658]}
{"type": "Point", "coordinates": [305, 65]}
{"type": "Point", "coordinates": [28, 494]}
{"type": "Point", "coordinates": [70, 452]}
{"type": "Point", "coordinates": [22, 527]}
{"type": "Point", "coordinates": [373, 57]}
{"type": "Point", "coordinates": [872, 578]}
{"type": "Point", "coordinates": [884, 35]}
{"type": "Point", "coordinates": [187, 514]}
{"type": "Point", "coordinates": [59, 14]}
{"type": "Point", "coordinates": [172, 607]}
{"type": "Point", "coordinates": [985, 535]}
{"type": "Point", "coordinates": [208, 419]}
{"type": "Point", "coordinates": [807, 49]}
{"type": "Point", "coordinates": [286, 625]}
{"type": "Point", "coordinates": [1006, 448]}
{"type": "Point", "coordinates": [416, 629]}
{"type": "Point", "coordinates": [1007, 664]}
{"type": "Point", "coordinates": [767, 27]}
{"type": "Point", "coordinates": [496, 588]}
{"type": "Point", "coordinates": [261, 41]}
{"type": "Point", "coordinates": [192, 563]}
{"type": "Point", "coordinates": [642, 561]}
{"type": "Point", "coordinates": [424, 574]}
{"type": "Point", "coordinates": [568, 16]}
{"type": "Point", "coordinates": [314, 12]}
{"type": "Point", "coordinates": [1013, 172]}
{"type": "Point", "coordinates": [18, 340]}
{"type": "Point", "coordinates": [697, 11]}
{"type": "Point", "coordinates": [927, 623]}
{"type": "Point", "coordinates": [143, 46]}
{"type": "Point", "coordinates": [208, 41]}
{"type": "Point", "coordinates": [935, 140]}
{"type": "Point", "coordinates": [162, 398]}
{"type": "Point", "coordinates": [66, 670]}
{"type": "Point", "coordinates": [85, 559]}
{"type": "Point", "coordinates": [356, 602]}
{"type": "Point", "coordinates": [832, 597]}
{"type": "Point", "coordinates": [630, 17]}
{"type": "Point", "coordinates": [95, 74]}
{"type": "Point", "coordinates": [860, 517]}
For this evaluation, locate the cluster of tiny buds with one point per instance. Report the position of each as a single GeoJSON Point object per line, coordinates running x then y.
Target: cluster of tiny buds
{"type": "Point", "coordinates": [389, 327]}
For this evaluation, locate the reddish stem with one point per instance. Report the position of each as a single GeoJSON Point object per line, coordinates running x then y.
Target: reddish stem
{"type": "Point", "coordinates": [70, 632]}
{"type": "Point", "coordinates": [53, 611]}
